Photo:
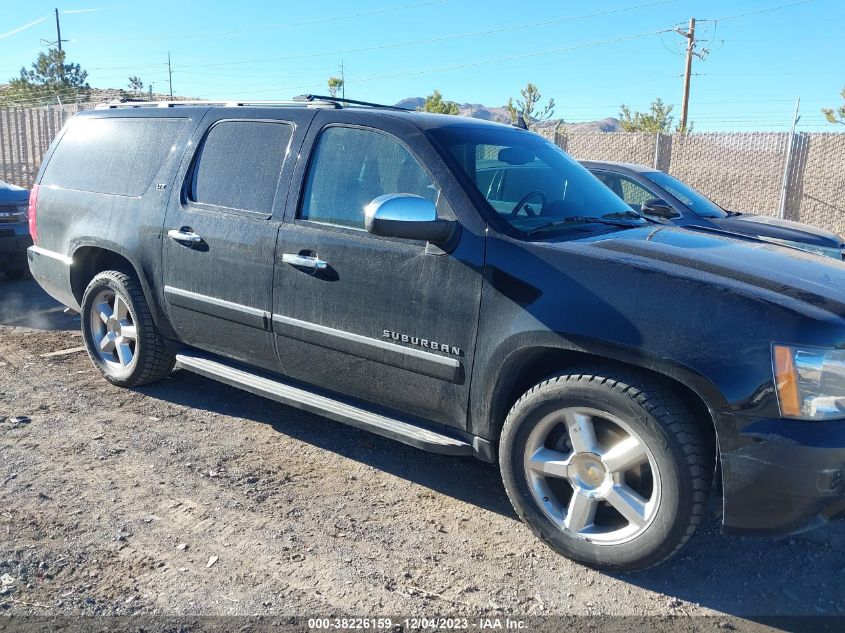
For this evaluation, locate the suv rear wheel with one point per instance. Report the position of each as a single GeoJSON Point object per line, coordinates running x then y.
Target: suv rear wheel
{"type": "Point", "coordinates": [120, 335]}
{"type": "Point", "coordinates": [609, 469]}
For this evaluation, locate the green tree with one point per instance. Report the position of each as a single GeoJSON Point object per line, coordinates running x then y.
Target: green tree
{"type": "Point", "coordinates": [435, 103]}
{"type": "Point", "coordinates": [529, 106]}
{"type": "Point", "coordinates": [335, 84]}
{"type": "Point", "coordinates": [658, 119]}
{"type": "Point", "coordinates": [136, 84]}
{"type": "Point", "coordinates": [49, 78]}
{"type": "Point", "coordinates": [838, 115]}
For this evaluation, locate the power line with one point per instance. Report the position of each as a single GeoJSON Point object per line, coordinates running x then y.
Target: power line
{"type": "Point", "coordinates": [505, 58]}
{"type": "Point", "coordinates": [75, 11]}
{"type": "Point", "coordinates": [773, 74]}
{"type": "Point", "coordinates": [409, 43]}
{"type": "Point", "coordinates": [272, 27]}
{"type": "Point", "coordinates": [743, 15]}
{"type": "Point", "coordinates": [434, 40]}
{"type": "Point", "coordinates": [445, 38]}
{"type": "Point", "coordinates": [691, 51]}
{"type": "Point", "coordinates": [485, 62]}
{"type": "Point", "coordinates": [59, 39]}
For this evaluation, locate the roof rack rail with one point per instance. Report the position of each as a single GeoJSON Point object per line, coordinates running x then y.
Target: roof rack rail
{"type": "Point", "coordinates": [229, 103]}
{"type": "Point", "coordinates": [307, 100]}
{"type": "Point", "coordinates": [343, 100]}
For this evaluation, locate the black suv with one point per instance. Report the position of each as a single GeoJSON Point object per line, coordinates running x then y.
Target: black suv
{"type": "Point", "coordinates": [664, 198]}
{"type": "Point", "coordinates": [371, 265]}
{"type": "Point", "coordinates": [14, 230]}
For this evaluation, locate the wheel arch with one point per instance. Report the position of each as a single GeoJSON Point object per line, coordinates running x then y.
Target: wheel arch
{"type": "Point", "coordinates": [524, 367]}
{"type": "Point", "coordinates": [90, 259]}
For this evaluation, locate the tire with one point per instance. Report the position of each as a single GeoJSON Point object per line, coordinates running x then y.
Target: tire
{"type": "Point", "coordinates": [574, 488]}
{"type": "Point", "coordinates": [123, 360]}
{"type": "Point", "coordinates": [15, 275]}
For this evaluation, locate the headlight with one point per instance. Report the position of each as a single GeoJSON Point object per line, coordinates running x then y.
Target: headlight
{"type": "Point", "coordinates": [810, 382]}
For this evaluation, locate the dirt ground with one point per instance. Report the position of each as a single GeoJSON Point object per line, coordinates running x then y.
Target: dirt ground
{"type": "Point", "coordinates": [192, 498]}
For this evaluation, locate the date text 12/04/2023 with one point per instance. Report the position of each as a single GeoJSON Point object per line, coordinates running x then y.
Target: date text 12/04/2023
{"type": "Point", "coordinates": [417, 623]}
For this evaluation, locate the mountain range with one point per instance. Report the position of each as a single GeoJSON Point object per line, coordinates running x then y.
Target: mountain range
{"type": "Point", "coordinates": [500, 114]}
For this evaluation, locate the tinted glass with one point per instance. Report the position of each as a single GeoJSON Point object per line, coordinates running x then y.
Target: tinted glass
{"type": "Point", "coordinates": [528, 181]}
{"type": "Point", "coordinates": [632, 192]}
{"type": "Point", "coordinates": [239, 164]}
{"type": "Point", "coordinates": [112, 155]}
{"type": "Point", "coordinates": [696, 201]}
{"type": "Point", "coordinates": [350, 167]}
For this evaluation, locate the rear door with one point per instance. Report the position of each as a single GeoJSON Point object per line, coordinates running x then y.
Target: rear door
{"type": "Point", "coordinates": [220, 231]}
{"type": "Point", "coordinates": [389, 321]}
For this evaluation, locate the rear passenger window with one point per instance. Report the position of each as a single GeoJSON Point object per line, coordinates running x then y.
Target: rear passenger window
{"type": "Point", "coordinates": [350, 167]}
{"type": "Point", "coordinates": [239, 164]}
{"type": "Point", "coordinates": [114, 155]}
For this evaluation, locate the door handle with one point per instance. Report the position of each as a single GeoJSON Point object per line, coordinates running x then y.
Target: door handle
{"type": "Point", "coordinates": [184, 235]}
{"type": "Point", "coordinates": [304, 261]}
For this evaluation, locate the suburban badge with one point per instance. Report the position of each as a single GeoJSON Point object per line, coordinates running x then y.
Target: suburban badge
{"type": "Point", "coordinates": [422, 342]}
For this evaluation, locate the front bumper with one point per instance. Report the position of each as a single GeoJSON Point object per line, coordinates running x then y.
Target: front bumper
{"type": "Point", "coordinates": [13, 244]}
{"type": "Point", "coordinates": [781, 476]}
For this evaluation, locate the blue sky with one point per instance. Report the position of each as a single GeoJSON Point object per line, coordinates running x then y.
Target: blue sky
{"type": "Point", "coordinates": [756, 67]}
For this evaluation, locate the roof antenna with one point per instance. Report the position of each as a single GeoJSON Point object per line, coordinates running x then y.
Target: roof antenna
{"type": "Point", "coordinates": [520, 122]}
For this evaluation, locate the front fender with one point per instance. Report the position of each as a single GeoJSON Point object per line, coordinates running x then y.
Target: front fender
{"type": "Point", "coordinates": [516, 353]}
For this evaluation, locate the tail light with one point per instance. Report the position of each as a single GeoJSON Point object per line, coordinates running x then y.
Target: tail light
{"type": "Point", "coordinates": [31, 212]}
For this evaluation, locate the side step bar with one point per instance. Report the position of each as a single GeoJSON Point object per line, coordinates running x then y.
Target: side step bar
{"type": "Point", "coordinates": [404, 432]}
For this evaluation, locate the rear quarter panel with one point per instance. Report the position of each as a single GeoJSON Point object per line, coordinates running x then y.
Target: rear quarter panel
{"type": "Point", "coordinates": [70, 220]}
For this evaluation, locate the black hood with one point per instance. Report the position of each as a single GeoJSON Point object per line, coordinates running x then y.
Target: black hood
{"type": "Point", "coordinates": [769, 228]}
{"type": "Point", "coordinates": [815, 281]}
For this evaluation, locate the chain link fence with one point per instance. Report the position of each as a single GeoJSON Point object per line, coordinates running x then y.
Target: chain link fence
{"type": "Point", "coordinates": [25, 136]}
{"type": "Point", "coordinates": [743, 171]}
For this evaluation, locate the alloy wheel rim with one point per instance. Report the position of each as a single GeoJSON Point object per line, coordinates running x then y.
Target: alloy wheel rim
{"type": "Point", "coordinates": [592, 475]}
{"type": "Point", "coordinates": [113, 330]}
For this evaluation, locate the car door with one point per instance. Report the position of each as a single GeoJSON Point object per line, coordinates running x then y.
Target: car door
{"type": "Point", "coordinates": [220, 230]}
{"type": "Point", "coordinates": [388, 321]}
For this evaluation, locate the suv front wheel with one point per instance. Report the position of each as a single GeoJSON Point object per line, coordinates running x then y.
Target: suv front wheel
{"type": "Point", "coordinates": [609, 469]}
{"type": "Point", "coordinates": [120, 335]}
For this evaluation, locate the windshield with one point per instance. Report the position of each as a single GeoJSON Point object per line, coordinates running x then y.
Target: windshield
{"type": "Point", "coordinates": [698, 203]}
{"type": "Point", "coordinates": [531, 183]}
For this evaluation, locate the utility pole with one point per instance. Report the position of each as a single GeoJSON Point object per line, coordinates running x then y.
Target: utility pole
{"type": "Point", "coordinates": [170, 74]}
{"type": "Point", "coordinates": [787, 163]}
{"type": "Point", "coordinates": [342, 81]}
{"type": "Point", "coordinates": [59, 40]}
{"type": "Point", "coordinates": [690, 35]}
{"type": "Point", "coordinates": [58, 31]}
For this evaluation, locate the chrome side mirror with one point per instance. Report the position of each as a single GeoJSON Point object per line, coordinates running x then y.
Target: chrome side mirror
{"type": "Point", "coordinates": [406, 216]}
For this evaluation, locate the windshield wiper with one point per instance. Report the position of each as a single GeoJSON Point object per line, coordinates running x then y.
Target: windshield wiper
{"type": "Point", "coordinates": [584, 219]}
